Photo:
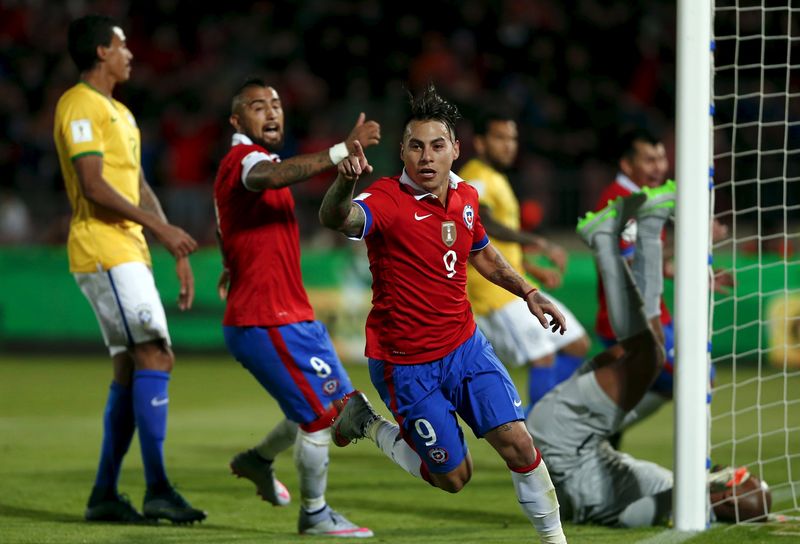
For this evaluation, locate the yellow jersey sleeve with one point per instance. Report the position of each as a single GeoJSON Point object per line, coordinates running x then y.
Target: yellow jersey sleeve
{"type": "Point", "coordinates": [80, 124]}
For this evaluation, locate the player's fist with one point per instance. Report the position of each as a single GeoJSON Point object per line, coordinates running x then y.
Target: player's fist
{"type": "Point", "coordinates": [366, 132]}
{"type": "Point", "coordinates": [355, 164]}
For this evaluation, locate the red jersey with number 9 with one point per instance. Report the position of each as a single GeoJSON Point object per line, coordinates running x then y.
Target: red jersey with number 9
{"type": "Point", "coordinates": [418, 251]}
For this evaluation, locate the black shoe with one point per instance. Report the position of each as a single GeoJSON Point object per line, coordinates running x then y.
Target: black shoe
{"type": "Point", "coordinates": [114, 508]}
{"type": "Point", "coordinates": [170, 505]}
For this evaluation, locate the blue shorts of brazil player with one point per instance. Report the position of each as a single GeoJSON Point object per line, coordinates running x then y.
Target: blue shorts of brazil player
{"type": "Point", "coordinates": [425, 398]}
{"type": "Point", "coordinates": [297, 365]}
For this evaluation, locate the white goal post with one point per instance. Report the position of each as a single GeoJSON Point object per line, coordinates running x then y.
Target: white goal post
{"type": "Point", "coordinates": [738, 163]}
{"type": "Point", "coordinates": [692, 218]}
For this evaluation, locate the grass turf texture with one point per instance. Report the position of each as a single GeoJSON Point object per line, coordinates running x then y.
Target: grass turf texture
{"type": "Point", "coordinates": [50, 428]}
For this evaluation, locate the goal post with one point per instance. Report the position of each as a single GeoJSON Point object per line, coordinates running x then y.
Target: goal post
{"type": "Point", "coordinates": [692, 225]}
{"type": "Point", "coordinates": [738, 165]}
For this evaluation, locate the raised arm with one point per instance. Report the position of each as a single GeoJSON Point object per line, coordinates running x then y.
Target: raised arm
{"type": "Point", "coordinates": [274, 175]}
{"type": "Point", "coordinates": [494, 267]}
{"type": "Point", "coordinates": [338, 211]}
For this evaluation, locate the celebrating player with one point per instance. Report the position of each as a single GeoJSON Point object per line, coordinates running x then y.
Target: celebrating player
{"type": "Point", "coordinates": [269, 324]}
{"type": "Point", "coordinates": [98, 146]}
{"type": "Point", "coordinates": [504, 318]}
{"type": "Point", "coordinates": [427, 359]}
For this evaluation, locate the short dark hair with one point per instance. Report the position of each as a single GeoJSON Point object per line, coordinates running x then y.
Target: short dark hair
{"type": "Point", "coordinates": [85, 35]}
{"type": "Point", "coordinates": [428, 106]}
{"type": "Point", "coordinates": [250, 81]}
{"type": "Point", "coordinates": [484, 120]}
{"type": "Point", "coordinates": [626, 143]}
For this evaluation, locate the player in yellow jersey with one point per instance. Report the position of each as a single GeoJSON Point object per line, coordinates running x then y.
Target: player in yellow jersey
{"type": "Point", "coordinates": [99, 152]}
{"type": "Point", "coordinates": [504, 319]}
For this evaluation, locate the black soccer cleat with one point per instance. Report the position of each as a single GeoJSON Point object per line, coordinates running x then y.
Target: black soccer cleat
{"type": "Point", "coordinates": [170, 505]}
{"type": "Point", "coordinates": [114, 509]}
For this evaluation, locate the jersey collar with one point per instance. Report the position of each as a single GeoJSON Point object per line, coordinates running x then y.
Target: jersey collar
{"type": "Point", "coordinates": [421, 193]}
{"type": "Point", "coordinates": [626, 183]}
{"type": "Point", "coordinates": [239, 138]}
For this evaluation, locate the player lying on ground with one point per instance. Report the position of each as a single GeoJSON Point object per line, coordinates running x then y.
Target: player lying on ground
{"type": "Point", "coordinates": [596, 483]}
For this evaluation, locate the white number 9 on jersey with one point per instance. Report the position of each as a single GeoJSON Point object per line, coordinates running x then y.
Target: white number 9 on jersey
{"type": "Point", "coordinates": [425, 431]}
{"type": "Point", "coordinates": [322, 368]}
{"type": "Point", "coordinates": [450, 259]}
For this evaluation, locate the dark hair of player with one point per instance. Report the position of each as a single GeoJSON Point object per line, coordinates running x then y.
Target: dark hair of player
{"type": "Point", "coordinates": [485, 120]}
{"type": "Point", "coordinates": [85, 35]}
{"type": "Point", "coordinates": [429, 106]}
{"type": "Point", "coordinates": [251, 81]}
{"type": "Point", "coordinates": [626, 143]}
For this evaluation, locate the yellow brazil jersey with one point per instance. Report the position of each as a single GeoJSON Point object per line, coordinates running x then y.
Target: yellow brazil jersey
{"type": "Point", "coordinates": [494, 192]}
{"type": "Point", "coordinates": [87, 122]}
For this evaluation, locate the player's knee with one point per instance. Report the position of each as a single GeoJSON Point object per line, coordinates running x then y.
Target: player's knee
{"type": "Point", "coordinates": [455, 480]}
{"type": "Point", "coordinates": [543, 362]}
{"type": "Point", "coordinates": [580, 347]}
{"type": "Point", "coordinates": [155, 355]}
{"type": "Point", "coordinates": [452, 483]}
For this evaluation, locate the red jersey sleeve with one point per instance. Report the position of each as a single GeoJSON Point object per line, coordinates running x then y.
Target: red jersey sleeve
{"type": "Point", "coordinates": [479, 237]}
{"type": "Point", "coordinates": [379, 206]}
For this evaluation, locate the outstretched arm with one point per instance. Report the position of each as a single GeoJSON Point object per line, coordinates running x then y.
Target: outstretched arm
{"type": "Point", "coordinates": [338, 211]}
{"type": "Point", "coordinates": [494, 267]}
{"type": "Point", "coordinates": [274, 175]}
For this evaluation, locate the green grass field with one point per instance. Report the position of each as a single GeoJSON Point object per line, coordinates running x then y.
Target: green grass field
{"type": "Point", "coordinates": [50, 424]}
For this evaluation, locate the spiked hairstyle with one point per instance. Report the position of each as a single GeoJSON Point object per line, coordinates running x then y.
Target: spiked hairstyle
{"type": "Point", "coordinates": [428, 106]}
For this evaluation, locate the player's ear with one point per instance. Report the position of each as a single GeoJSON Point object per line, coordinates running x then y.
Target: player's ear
{"type": "Point", "coordinates": [625, 166]}
{"type": "Point", "coordinates": [456, 149]}
{"type": "Point", "coordinates": [479, 144]}
{"type": "Point", "coordinates": [234, 121]}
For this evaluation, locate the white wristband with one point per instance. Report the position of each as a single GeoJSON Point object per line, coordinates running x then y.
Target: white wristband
{"type": "Point", "coordinates": [338, 153]}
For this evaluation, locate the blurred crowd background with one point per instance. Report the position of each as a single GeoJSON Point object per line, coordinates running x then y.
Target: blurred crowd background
{"type": "Point", "coordinates": [573, 72]}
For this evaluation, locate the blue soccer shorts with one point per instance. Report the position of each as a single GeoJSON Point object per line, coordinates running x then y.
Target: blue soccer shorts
{"type": "Point", "coordinates": [297, 365]}
{"type": "Point", "coordinates": [425, 398]}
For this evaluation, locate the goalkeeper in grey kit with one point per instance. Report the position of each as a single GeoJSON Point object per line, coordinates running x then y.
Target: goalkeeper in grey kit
{"type": "Point", "coordinates": [594, 482]}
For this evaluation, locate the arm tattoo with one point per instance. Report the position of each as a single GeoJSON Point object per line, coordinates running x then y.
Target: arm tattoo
{"type": "Point", "coordinates": [505, 276]}
{"type": "Point", "coordinates": [338, 211]}
{"type": "Point", "coordinates": [274, 175]}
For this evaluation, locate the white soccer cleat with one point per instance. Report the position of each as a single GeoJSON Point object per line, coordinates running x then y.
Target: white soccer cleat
{"type": "Point", "coordinates": [329, 522]}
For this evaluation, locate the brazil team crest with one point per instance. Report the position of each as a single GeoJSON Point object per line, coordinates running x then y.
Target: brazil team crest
{"type": "Point", "coordinates": [449, 233]}
{"type": "Point", "coordinates": [469, 216]}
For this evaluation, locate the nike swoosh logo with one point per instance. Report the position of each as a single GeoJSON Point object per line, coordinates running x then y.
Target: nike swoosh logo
{"type": "Point", "coordinates": [517, 403]}
{"type": "Point", "coordinates": [421, 217]}
{"type": "Point", "coordinates": [113, 119]}
{"type": "Point", "coordinates": [155, 402]}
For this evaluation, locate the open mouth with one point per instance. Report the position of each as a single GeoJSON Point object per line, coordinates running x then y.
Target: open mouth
{"type": "Point", "coordinates": [272, 130]}
{"type": "Point", "coordinates": [427, 173]}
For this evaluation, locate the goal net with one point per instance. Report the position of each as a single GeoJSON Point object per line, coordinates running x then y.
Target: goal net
{"type": "Point", "coordinates": [755, 323]}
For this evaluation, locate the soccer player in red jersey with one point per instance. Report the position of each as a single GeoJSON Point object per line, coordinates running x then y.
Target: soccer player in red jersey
{"type": "Point", "coordinates": [269, 325]}
{"type": "Point", "coordinates": [427, 359]}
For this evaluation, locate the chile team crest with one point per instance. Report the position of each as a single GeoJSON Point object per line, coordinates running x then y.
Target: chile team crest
{"type": "Point", "coordinates": [469, 216]}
